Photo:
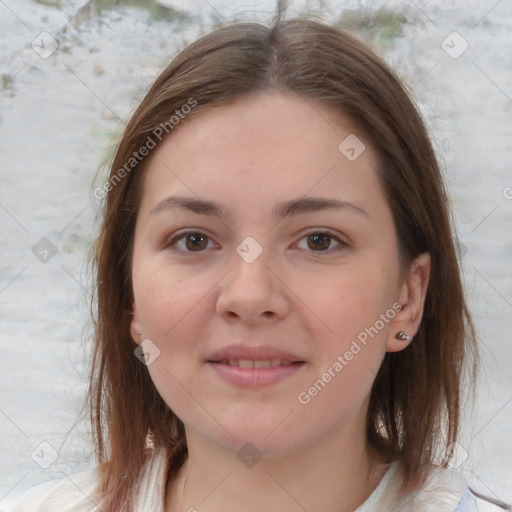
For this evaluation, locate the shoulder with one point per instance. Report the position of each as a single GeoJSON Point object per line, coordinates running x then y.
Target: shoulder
{"type": "Point", "coordinates": [73, 493]}
{"type": "Point", "coordinates": [447, 485]}
{"type": "Point", "coordinates": [78, 492]}
{"type": "Point", "coordinates": [444, 490]}
{"type": "Point", "coordinates": [472, 500]}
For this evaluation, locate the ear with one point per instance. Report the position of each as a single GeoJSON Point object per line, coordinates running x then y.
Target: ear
{"type": "Point", "coordinates": [412, 296]}
{"type": "Point", "coordinates": [135, 327]}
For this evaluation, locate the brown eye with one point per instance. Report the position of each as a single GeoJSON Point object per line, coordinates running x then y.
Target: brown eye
{"type": "Point", "coordinates": [320, 241]}
{"type": "Point", "coordinates": [197, 241]}
{"type": "Point", "coordinates": [191, 241]}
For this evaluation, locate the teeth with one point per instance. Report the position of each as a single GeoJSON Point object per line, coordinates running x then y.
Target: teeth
{"type": "Point", "coordinates": [261, 364]}
{"type": "Point", "coordinates": [249, 363]}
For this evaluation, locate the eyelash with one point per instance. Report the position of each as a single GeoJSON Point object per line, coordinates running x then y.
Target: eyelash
{"type": "Point", "coordinates": [170, 244]}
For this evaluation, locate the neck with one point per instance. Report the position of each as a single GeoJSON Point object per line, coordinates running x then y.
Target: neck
{"type": "Point", "coordinates": [337, 474]}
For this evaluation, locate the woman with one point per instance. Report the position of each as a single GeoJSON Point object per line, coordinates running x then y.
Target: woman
{"type": "Point", "coordinates": [280, 318]}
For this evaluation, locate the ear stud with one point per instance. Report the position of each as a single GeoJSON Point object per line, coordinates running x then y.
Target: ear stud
{"type": "Point", "coordinates": [402, 336]}
{"type": "Point", "coordinates": [138, 332]}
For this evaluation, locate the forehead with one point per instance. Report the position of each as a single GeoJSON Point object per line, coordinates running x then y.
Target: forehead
{"type": "Point", "coordinates": [280, 120]}
{"type": "Point", "coordinates": [269, 146]}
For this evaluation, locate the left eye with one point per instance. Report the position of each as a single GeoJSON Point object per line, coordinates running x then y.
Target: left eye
{"type": "Point", "coordinates": [195, 241]}
{"type": "Point", "coordinates": [319, 241]}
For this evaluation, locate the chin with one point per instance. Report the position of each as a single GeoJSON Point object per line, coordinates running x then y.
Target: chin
{"type": "Point", "coordinates": [259, 445]}
{"type": "Point", "coordinates": [266, 437]}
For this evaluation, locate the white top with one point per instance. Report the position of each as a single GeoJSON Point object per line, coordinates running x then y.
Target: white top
{"type": "Point", "coordinates": [444, 491]}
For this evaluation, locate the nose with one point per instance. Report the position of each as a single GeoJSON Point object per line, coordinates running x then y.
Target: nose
{"type": "Point", "coordinates": [252, 292]}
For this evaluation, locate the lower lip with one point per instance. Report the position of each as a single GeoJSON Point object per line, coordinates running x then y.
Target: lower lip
{"type": "Point", "coordinates": [255, 377]}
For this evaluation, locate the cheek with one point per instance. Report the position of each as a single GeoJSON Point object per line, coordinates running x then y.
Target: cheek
{"type": "Point", "coordinates": [350, 339]}
{"type": "Point", "coordinates": [173, 310]}
{"type": "Point", "coordinates": [354, 298]}
{"type": "Point", "coordinates": [167, 300]}
{"type": "Point", "coordinates": [352, 323]}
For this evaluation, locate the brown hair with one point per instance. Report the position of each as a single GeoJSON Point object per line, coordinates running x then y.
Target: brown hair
{"type": "Point", "coordinates": [417, 393]}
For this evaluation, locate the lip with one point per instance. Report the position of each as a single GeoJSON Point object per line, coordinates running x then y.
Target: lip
{"type": "Point", "coordinates": [254, 353]}
{"type": "Point", "coordinates": [254, 377]}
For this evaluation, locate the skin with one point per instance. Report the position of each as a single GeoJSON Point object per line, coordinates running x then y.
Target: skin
{"type": "Point", "coordinates": [250, 155]}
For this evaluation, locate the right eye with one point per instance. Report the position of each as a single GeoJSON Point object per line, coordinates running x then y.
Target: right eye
{"type": "Point", "coordinates": [187, 242]}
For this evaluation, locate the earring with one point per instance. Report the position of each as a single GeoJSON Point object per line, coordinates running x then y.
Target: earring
{"type": "Point", "coordinates": [402, 336]}
{"type": "Point", "coordinates": [138, 332]}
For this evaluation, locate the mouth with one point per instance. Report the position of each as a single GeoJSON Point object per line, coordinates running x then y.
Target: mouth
{"type": "Point", "coordinates": [262, 363]}
{"type": "Point", "coordinates": [248, 366]}
{"type": "Point", "coordinates": [250, 356]}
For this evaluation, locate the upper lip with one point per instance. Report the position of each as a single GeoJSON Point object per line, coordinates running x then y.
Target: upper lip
{"type": "Point", "coordinates": [252, 353]}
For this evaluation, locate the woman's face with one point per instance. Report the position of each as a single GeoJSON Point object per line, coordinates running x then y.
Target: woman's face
{"type": "Point", "coordinates": [268, 313]}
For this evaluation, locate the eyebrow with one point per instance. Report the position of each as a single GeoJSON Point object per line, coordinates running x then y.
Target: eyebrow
{"type": "Point", "coordinates": [282, 210]}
